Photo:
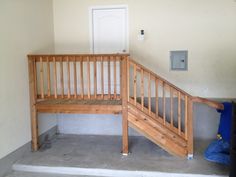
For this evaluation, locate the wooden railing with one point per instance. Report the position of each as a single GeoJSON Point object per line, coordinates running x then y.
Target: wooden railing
{"type": "Point", "coordinates": [158, 98]}
{"type": "Point", "coordinates": [163, 101]}
{"type": "Point", "coordinates": [113, 77]}
{"type": "Point", "coordinates": [77, 76]}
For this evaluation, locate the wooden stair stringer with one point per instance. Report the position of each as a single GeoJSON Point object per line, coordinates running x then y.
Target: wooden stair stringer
{"type": "Point", "coordinates": [156, 136]}
{"type": "Point", "coordinates": [157, 125]}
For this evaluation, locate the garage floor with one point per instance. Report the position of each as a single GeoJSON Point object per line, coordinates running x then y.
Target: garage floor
{"type": "Point", "coordinates": [103, 152]}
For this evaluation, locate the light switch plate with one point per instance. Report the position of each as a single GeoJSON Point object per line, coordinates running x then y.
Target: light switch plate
{"type": "Point", "coordinates": [179, 60]}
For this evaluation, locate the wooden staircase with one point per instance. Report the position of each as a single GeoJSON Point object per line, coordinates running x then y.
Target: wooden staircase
{"type": "Point", "coordinates": [113, 84]}
{"type": "Point", "coordinates": [160, 111]}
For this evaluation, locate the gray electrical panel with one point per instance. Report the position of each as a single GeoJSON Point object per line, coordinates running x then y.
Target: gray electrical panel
{"type": "Point", "coordinates": [179, 60]}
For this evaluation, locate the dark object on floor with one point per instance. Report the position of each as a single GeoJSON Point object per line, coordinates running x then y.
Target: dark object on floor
{"type": "Point", "coordinates": [219, 150]}
{"type": "Point", "coordinates": [233, 144]}
{"type": "Point", "coordinates": [46, 144]}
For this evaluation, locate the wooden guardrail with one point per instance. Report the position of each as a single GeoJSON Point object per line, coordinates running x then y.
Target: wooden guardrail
{"type": "Point", "coordinates": [112, 77]}
{"type": "Point", "coordinates": [163, 101]}
{"type": "Point", "coordinates": [77, 76]}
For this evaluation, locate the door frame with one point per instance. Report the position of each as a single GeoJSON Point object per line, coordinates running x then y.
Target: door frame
{"type": "Point", "coordinates": [91, 36]}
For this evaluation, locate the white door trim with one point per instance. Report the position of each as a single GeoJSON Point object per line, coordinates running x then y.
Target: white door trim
{"type": "Point", "coordinates": [91, 9]}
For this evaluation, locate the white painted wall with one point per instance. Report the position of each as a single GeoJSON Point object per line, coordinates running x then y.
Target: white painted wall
{"type": "Point", "coordinates": [26, 27]}
{"type": "Point", "coordinates": [206, 28]}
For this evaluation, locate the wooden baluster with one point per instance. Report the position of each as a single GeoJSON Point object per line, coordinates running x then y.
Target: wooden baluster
{"type": "Point", "coordinates": [164, 103]}
{"type": "Point", "coordinates": [127, 70]}
{"type": "Point", "coordinates": [157, 98]}
{"type": "Point", "coordinates": [95, 77]}
{"type": "Point", "coordinates": [88, 77]}
{"type": "Point", "coordinates": [68, 76]}
{"type": "Point", "coordinates": [128, 86]}
{"type": "Point", "coordinates": [179, 113]}
{"type": "Point", "coordinates": [41, 78]}
{"type": "Point", "coordinates": [115, 77]}
{"type": "Point", "coordinates": [102, 77]}
{"type": "Point", "coordinates": [190, 128]}
{"type": "Point", "coordinates": [109, 78]}
{"type": "Point", "coordinates": [135, 84]}
{"type": "Point", "coordinates": [186, 116]}
{"type": "Point", "coordinates": [48, 77]}
{"type": "Point", "coordinates": [171, 107]}
{"type": "Point", "coordinates": [62, 77]}
{"type": "Point", "coordinates": [81, 78]}
{"type": "Point", "coordinates": [35, 78]}
{"type": "Point", "coordinates": [55, 77]}
{"type": "Point", "coordinates": [75, 78]}
{"type": "Point", "coordinates": [142, 89]}
{"type": "Point", "coordinates": [149, 93]}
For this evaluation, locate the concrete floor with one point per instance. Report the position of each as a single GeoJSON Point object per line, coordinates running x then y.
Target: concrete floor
{"type": "Point", "coordinates": [103, 152]}
{"type": "Point", "coordinates": [28, 174]}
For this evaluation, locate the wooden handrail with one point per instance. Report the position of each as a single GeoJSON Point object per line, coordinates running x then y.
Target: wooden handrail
{"type": "Point", "coordinates": [159, 77]}
{"type": "Point", "coordinates": [210, 103]}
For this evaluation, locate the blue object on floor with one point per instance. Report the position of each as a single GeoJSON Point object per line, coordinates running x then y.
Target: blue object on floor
{"type": "Point", "coordinates": [218, 150]}
{"type": "Point", "coordinates": [225, 121]}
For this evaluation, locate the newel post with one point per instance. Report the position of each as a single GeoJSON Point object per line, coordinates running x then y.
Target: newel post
{"type": "Point", "coordinates": [124, 91]}
{"type": "Point", "coordinates": [33, 96]}
{"type": "Point", "coordinates": [190, 129]}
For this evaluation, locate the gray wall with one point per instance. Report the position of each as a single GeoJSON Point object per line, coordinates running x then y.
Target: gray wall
{"type": "Point", "coordinates": [206, 120]}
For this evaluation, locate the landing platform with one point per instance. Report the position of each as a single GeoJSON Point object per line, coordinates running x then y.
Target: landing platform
{"type": "Point", "coordinates": [102, 152]}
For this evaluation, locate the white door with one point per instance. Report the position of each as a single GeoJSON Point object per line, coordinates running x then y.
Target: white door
{"type": "Point", "coordinates": [109, 30]}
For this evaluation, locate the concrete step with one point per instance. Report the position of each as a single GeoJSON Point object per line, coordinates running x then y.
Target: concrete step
{"type": "Point", "coordinates": [57, 171]}
{"type": "Point", "coordinates": [31, 174]}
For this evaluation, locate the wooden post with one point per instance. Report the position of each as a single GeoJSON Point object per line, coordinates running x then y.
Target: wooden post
{"type": "Point", "coordinates": [125, 147]}
{"type": "Point", "coordinates": [33, 96]}
{"type": "Point", "coordinates": [190, 129]}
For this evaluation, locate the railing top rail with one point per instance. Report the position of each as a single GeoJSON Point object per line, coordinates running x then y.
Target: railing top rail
{"type": "Point", "coordinates": [160, 78]}
{"type": "Point", "coordinates": [78, 55]}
